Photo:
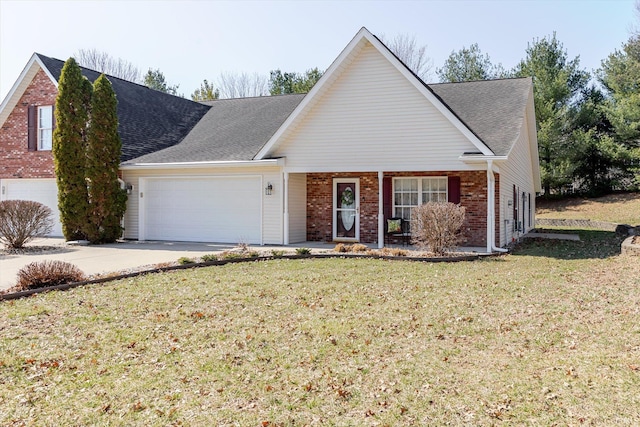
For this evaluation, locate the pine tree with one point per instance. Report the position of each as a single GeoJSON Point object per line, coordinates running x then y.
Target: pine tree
{"type": "Point", "coordinates": [107, 201]}
{"type": "Point", "coordinates": [69, 143]}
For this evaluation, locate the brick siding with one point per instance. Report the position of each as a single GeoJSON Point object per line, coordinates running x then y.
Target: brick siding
{"type": "Point", "coordinates": [17, 161]}
{"type": "Point", "coordinates": [473, 196]}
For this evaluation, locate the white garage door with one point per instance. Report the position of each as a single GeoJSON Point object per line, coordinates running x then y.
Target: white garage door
{"type": "Point", "coordinates": [221, 209]}
{"type": "Point", "coordinates": [44, 191]}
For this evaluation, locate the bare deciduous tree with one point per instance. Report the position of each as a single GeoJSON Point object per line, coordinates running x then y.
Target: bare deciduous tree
{"type": "Point", "coordinates": [105, 63]}
{"type": "Point", "coordinates": [415, 57]}
{"type": "Point", "coordinates": [234, 85]}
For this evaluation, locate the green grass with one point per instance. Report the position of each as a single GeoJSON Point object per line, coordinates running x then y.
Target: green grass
{"type": "Point", "coordinates": [546, 335]}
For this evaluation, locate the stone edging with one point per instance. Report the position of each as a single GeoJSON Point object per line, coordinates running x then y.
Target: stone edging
{"type": "Point", "coordinates": [64, 287]}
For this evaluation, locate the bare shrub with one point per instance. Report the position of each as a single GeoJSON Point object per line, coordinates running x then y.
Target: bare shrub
{"type": "Point", "coordinates": [437, 226]}
{"type": "Point", "coordinates": [358, 247]}
{"type": "Point", "coordinates": [341, 247]}
{"type": "Point", "coordinates": [23, 220]}
{"type": "Point", "coordinates": [386, 251]}
{"type": "Point", "coordinates": [47, 273]}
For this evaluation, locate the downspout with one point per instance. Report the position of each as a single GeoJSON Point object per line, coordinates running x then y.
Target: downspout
{"type": "Point", "coordinates": [491, 210]}
{"type": "Point", "coordinates": [380, 210]}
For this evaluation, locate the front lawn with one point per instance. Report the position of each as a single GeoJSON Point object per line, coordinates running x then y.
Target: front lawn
{"type": "Point", "coordinates": [546, 335]}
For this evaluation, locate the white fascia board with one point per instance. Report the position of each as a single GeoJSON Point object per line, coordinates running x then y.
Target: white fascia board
{"type": "Point", "coordinates": [204, 165]}
{"type": "Point", "coordinates": [13, 96]}
{"type": "Point", "coordinates": [327, 78]}
{"type": "Point", "coordinates": [478, 158]}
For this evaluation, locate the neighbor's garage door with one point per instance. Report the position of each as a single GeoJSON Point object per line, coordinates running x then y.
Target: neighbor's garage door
{"type": "Point", "coordinates": [43, 190]}
{"type": "Point", "coordinates": [221, 209]}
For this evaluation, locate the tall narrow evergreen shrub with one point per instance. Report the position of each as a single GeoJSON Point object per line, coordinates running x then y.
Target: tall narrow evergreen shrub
{"type": "Point", "coordinates": [107, 201]}
{"type": "Point", "coordinates": [69, 149]}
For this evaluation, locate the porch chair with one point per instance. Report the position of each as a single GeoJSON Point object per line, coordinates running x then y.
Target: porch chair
{"type": "Point", "coordinates": [396, 228]}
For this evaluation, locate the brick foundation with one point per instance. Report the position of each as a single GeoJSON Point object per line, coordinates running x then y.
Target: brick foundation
{"type": "Point", "coordinates": [17, 160]}
{"type": "Point", "coordinates": [473, 196]}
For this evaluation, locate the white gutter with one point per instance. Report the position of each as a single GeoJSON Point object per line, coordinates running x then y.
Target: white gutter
{"type": "Point", "coordinates": [491, 210]}
{"type": "Point", "coordinates": [203, 165]}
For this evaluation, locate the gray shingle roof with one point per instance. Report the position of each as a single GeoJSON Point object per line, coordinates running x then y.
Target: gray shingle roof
{"type": "Point", "coordinates": [492, 109]}
{"type": "Point", "coordinates": [233, 129]}
{"type": "Point", "coordinates": [149, 120]}
{"type": "Point", "coordinates": [159, 128]}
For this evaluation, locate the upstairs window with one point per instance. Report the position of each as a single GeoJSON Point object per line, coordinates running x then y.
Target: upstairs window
{"type": "Point", "coordinates": [45, 127]}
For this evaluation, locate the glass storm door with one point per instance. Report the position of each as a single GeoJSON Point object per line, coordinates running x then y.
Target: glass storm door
{"type": "Point", "coordinates": [346, 209]}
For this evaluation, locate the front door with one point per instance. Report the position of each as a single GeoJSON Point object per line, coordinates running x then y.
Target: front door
{"type": "Point", "coordinates": [346, 209]}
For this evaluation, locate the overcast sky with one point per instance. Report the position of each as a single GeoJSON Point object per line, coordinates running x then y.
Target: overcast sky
{"type": "Point", "coordinates": [194, 40]}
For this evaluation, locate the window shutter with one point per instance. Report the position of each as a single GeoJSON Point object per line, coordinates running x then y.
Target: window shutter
{"type": "Point", "coordinates": [387, 197]}
{"type": "Point", "coordinates": [454, 189]}
{"type": "Point", "coordinates": [32, 128]}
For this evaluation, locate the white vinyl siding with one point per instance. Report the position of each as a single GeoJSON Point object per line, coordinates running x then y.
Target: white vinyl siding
{"type": "Point", "coordinates": [297, 208]}
{"type": "Point", "coordinates": [413, 191]}
{"type": "Point", "coordinates": [516, 171]}
{"type": "Point", "coordinates": [373, 118]}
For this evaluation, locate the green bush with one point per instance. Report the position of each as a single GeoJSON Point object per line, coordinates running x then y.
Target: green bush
{"type": "Point", "coordinates": [226, 255]}
{"type": "Point", "coordinates": [209, 257]}
{"type": "Point", "coordinates": [22, 220]}
{"type": "Point", "coordinates": [185, 260]}
{"type": "Point", "coordinates": [303, 251]}
{"type": "Point", "coordinates": [42, 274]}
{"type": "Point", "coordinates": [276, 253]}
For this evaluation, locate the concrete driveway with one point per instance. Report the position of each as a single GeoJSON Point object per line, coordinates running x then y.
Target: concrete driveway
{"type": "Point", "coordinates": [94, 259]}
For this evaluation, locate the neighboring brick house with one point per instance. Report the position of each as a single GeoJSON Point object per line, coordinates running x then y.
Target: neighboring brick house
{"type": "Point", "coordinates": [370, 141]}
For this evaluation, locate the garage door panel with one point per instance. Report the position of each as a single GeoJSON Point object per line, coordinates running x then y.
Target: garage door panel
{"type": "Point", "coordinates": [226, 210]}
{"type": "Point", "coordinates": [44, 191]}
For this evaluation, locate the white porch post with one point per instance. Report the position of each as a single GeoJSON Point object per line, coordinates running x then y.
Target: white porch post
{"type": "Point", "coordinates": [380, 211]}
{"type": "Point", "coordinates": [286, 208]}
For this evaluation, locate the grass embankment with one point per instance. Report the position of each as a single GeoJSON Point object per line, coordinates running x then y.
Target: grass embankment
{"type": "Point", "coordinates": [623, 208]}
{"type": "Point", "coordinates": [546, 335]}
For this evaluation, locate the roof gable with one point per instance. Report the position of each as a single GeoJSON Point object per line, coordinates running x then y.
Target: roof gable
{"type": "Point", "coordinates": [149, 120]}
{"type": "Point", "coordinates": [26, 76]}
{"type": "Point", "coordinates": [348, 54]}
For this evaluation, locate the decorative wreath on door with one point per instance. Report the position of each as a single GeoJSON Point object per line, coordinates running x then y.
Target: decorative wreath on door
{"type": "Point", "coordinates": [347, 197]}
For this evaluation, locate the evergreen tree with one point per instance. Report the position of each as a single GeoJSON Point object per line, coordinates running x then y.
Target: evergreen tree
{"type": "Point", "coordinates": [469, 65]}
{"type": "Point", "coordinates": [282, 83]}
{"type": "Point", "coordinates": [154, 79]}
{"type": "Point", "coordinates": [558, 84]}
{"type": "Point", "coordinates": [206, 92]}
{"type": "Point", "coordinates": [69, 146]}
{"type": "Point", "coordinates": [107, 201]}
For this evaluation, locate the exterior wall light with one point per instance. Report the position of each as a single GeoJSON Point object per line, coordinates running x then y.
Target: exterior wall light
{"type": "Point", "coordinates": [268, 189]}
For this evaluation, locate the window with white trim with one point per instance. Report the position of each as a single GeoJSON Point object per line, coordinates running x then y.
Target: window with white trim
{"type": "Point", "coordinates": [45, 127]}
{"type": "Point", "coordinates": [410, 192]}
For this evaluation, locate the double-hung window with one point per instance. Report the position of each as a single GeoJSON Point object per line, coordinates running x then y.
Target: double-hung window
{"type": "Point", "coordinates": [45, 127]}
{"type": "Point", "coordinates": [411, 192]}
